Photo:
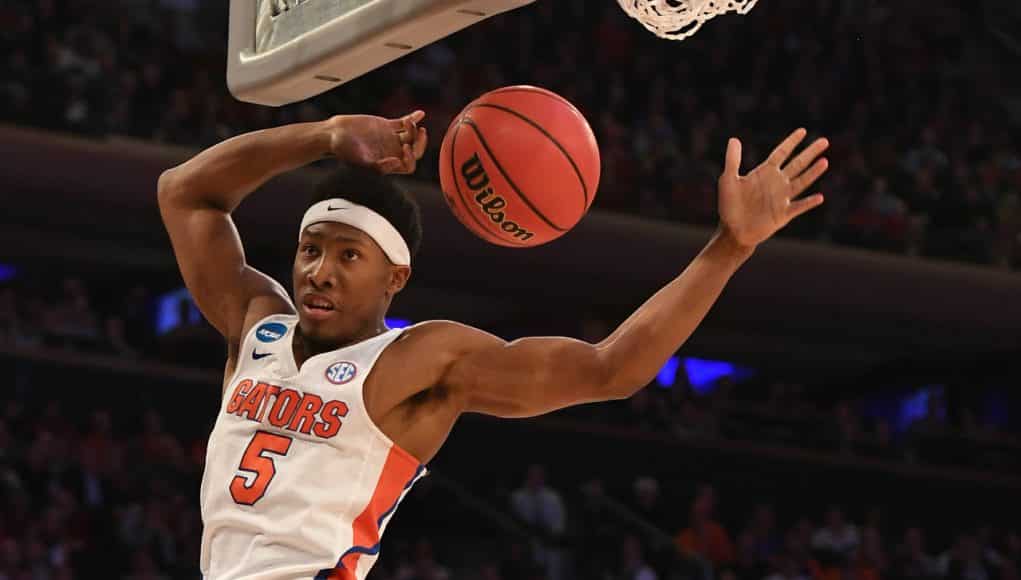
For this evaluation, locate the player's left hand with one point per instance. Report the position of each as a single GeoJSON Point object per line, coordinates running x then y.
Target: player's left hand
{"type": "Point", "coordinates": [755, 206]}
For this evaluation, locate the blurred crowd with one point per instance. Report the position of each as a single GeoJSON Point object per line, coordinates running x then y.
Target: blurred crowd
{"type": "Point", "coordinates": [924, 159]}
{"type": "Point", "coordinates": [779, 414]}
{"type": "Point", "coordinates": [102, 318]}
{"type": "Point", "coordinates": [83, 501]}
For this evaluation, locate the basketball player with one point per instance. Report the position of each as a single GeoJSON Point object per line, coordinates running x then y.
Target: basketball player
{"type": "Point", "coordinates": [327, 417]}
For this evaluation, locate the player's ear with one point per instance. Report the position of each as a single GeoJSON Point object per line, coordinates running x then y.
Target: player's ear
{"type": "Point", "coordinates": [399, 276]}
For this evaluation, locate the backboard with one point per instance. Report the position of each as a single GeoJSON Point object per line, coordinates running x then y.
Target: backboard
{"type": "Point", "coordinates": [283, 51]}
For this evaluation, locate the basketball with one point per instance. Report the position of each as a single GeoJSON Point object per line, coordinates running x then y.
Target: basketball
{"type": "Point", "coordinates": [519, 166]}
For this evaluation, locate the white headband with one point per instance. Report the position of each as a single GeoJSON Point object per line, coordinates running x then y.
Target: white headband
{"type": "Point", "coordinates": [342, 211]}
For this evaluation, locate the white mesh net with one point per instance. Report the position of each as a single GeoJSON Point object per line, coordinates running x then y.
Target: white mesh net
{"type": "Point", "coordinates": [679, 19]}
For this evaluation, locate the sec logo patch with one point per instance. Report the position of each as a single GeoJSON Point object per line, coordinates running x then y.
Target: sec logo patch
{"type": "Point", "coordinates": [341, 372]}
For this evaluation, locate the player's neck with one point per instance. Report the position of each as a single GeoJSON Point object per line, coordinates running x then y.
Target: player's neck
{"type": "Point", "coordinates": [306, 348]}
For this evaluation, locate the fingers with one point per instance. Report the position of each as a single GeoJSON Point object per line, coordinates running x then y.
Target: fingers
{"type": "Point", "coordinates": [389, 165]}
{"type": "Point", "coordinates": [802, 161]}
{"type": "Point", "coordinates": [733, 162]}
{"type": "Point", "coordinates": [806, 179]}
{"type": "Point", "coordinates": [407, 127]}
{"type": "Point", "coordinates": [416, 117]}
{"type": "Point", "coordinates": [800, 206]}
{"type": "Point", "coordinates": [408, 159]}
{"type": "Point", "coordinates": [412, 152]}
{"type": "Point", "coordinates": [412, 141]}
{"type": "Point", "coordinates": [407, 130]}
{"type": "Point", "coordinates": [404, 164]}
{"type": "Point", "coordinates": [421, 141]}
{"type": "Point", "coordinates": [783, 150]}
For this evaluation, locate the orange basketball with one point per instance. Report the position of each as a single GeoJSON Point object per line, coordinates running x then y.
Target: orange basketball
{"type": "Point", "coordinates": [519, 166]}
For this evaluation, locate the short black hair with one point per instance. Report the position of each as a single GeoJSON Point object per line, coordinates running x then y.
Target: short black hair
{"type": "Point", "coordinates": [378, 192]}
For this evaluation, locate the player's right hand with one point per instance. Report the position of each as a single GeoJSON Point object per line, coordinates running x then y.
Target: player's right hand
{"type": "Point", "coordinates": [387, 145]}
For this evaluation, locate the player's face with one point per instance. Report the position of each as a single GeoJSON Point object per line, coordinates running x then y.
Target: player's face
{"type": "Point", "coordinates": [342, 282]}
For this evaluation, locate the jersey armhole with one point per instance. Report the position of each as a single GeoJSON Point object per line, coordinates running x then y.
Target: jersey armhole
{"type": "Point", "coordinates": [364, 409]}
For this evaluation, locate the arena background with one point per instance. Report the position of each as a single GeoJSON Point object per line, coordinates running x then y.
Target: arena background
{"type": "Point", "coordinates": [867, 360]}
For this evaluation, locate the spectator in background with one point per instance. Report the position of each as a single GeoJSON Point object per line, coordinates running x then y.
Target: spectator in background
{"type": "Point", "coordinates": [965, 560]}
{"type": "Point", "coordinates": [766, 539]}
{"type": "Point", "coordinates": [882, 444]}
{"type": "Point", "coordinates": [598, 532]}
{"type": "Point", "coordinates": [71, 322]}
{"type": "Point", "coordinates": [8, 315]}
{"type": "Point", "coordinates": [489, 571]}
{"type": "Point", "coordinates": [869, 561]}
{"type": "Point", "coordinates": [847, 423]}
{"type": "Point", "coordinates": [747, 564]}
{"type": "Point", "coordinates": [704, 537]}
{"type": "Point", "coordinates": [696, 419]}
{"type": "Point", "coordinates": [874, 517]}
{"type": "Point", "coordinates": [991, 553]}
{"type": "Point", "coordinates": [1013, 547]}
{"type": "Point", "coordinates": [632, 562]}
{"type": "Point", "coordinates": [137, 313]}
{"type": "Point", "coordinates": [158, 445]}
{"type": "Point", "coordinates": [7, 455]}
{"type": "Point", "coordinates": [117, 339]}
{"type": "Point", "coordinates": [99, 444]}
{"type": "Point", "coordinates": [923, 437]}
{"type": "Point", "coordinates": [192, 342]}
{"type": "Point", "coordinates": [912, 561]}
{"type": "Point", "coordinates": [786, 568]}
{"type": "Point", "coordinates": [144, 568]}
{"type": "Point", "coordinates": [647, 502]}
{"type": "Point", "coordinates": [881, 220]}
{"type": "Point", "coordinates": [541, 507]}
{"type": "Point", "coordinates": [927, 153]}
{"type": "Point", "coordinates": [10, 558]}
{"type": "Point", "coordinates": [797, 550]}
{"type": "Point", "coordinates": [836, 541]}
{"type": "Point", "coordinates": [519, 562]}
{"type": "Point", "coordinates": [1012, 552]}
{"type": "Point", "coordinates": [94, 489]}
{"type": "Point", "coordinates": [423, 565]}
{"type": "Point", "coordinates": [1008, 231]}
{"type": "Point", "coordinates": [642, 411]}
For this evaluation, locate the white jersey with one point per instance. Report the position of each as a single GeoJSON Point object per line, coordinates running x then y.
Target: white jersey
{"type": "Point", "coordinates": [299, 482]}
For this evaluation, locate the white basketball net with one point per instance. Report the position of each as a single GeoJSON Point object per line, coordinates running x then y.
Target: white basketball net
{"type": "Point", "coordinates": [679, 19]}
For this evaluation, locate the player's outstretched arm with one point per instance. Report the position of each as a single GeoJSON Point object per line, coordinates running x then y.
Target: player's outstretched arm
{"type": "Point", "coordinates": [532, 376]}
{"type": "Point", "coordinates": [197, 197]}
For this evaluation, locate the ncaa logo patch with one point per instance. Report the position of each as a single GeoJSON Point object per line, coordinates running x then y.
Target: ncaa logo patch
{"type": "Point", "coordinates": [341, 372]}
{"type": "Point", "coordinates": [270, 332]}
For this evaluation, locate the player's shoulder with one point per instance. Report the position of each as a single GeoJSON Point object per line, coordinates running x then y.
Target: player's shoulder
{"type": "Point", "coordinates": [434, 345]}
{"type": "Point", "coordinates": [426, 352]}
{"type": "Point", "coordinates": [272, 301]}
{"type": "Point", "coordinates": [448, 335]}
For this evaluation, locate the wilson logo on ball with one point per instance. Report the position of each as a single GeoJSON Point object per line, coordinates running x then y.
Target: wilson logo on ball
{"type": "Point", "coordinates": [490, 203]}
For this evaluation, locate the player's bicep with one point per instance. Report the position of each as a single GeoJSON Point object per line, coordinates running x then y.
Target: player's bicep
{"type": "Point", "coordinates": [528, 376]}
{"type": "Point", "coordinates": [212, 262]}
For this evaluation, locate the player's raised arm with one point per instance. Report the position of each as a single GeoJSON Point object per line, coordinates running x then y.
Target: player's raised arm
{"type": "Point", "coordinates": [197, 197]}
{"type": "Point", "coordinates": [532, 376]}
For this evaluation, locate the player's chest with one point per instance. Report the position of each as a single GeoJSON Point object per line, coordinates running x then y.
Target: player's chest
{"type": "Point", "coordinates": [308, 403]}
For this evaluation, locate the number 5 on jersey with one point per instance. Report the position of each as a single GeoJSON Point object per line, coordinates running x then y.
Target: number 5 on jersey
{"type": "Point", "coordinates": [253, 461]}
